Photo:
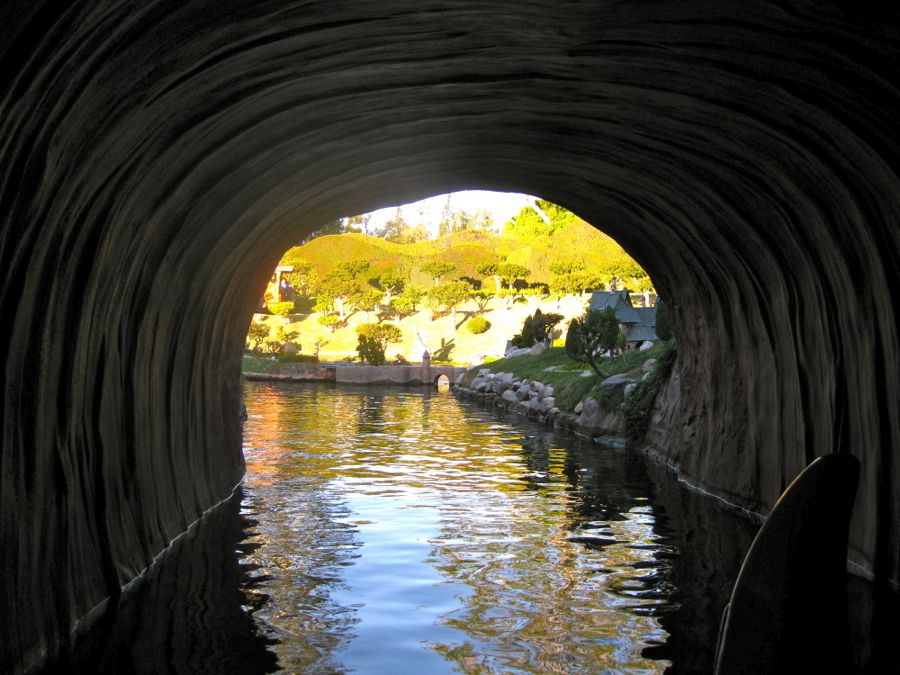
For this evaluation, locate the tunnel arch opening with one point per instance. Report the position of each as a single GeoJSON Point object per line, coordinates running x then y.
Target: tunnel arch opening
{"type": "Point", "coordinates": [458, 280]}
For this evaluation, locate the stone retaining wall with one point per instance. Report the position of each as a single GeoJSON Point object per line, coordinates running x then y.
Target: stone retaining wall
{"type": "Point", "coordinates": [295, 373]}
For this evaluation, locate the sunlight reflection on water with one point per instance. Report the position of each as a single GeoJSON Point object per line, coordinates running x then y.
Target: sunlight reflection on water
{"type": "Point", "coordinates": [414, 534]}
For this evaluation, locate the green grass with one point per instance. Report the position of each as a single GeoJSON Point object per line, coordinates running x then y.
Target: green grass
{"type": "Point", "coordinates": [567, 377]}
{"type": "Point", "coordinates": [633, 360]}
{"type": "Point", "coordinates": [256, 364]}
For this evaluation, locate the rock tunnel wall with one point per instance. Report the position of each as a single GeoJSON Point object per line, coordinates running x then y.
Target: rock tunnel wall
{"type": "Point", "coordinates": [156, 158]}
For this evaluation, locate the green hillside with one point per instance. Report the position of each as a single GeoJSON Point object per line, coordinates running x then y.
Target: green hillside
{"type": "Point", "coordinates": [549, 260]}
{"type": "Point", "coordinates": [569, 238]}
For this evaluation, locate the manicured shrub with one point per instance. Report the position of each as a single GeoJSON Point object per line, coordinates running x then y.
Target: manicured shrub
{"type": "Point", "coordinates": [478, 325]}
{"type": "Point", "coordinates": [281, 308]}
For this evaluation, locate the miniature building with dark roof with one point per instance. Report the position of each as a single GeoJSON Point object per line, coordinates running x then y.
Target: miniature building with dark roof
{"type": "Point", "coordinates": [637, 323]}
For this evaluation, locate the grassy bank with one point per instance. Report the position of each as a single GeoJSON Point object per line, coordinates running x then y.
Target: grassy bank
{"type": "Point", "coordinates": [570, 380]}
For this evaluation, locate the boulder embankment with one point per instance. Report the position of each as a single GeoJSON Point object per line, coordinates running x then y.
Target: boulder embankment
{"type": "Point", "coordinates": [537, 400]}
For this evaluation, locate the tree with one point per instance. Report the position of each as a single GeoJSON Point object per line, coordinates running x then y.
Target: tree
{"type": "Point", "coordinates": [393, 229]}
{"type": "Point", "coordinates": [338, 287]}
{"type": "Point", "coordinates": [256, 334]}
{"type": "Point", "coordinates": [510, 273]}
{"type": "Point", "coordinates": [359, 224]}
{"type": "Point", "coordinates": [663, 321]}
{"type": "Point", "coordinates": [574, 283]}
{"type": "Point", "coordinates": [373, 339]}
{"type": "Point", "coordinates": [566, 266]}
{"type": "Point", "coordinates": [437, 269]}
{"type": "Point", "coordinates": [481, 299]}
{"type": "Point", "coordinates": [490, 269]}
{"type": "Point", "coordinates": [391, 282]}
{"type": "Point", "coordinates": [597, 332]}
{"type": "Point", "coordinates": [445, 227]}
{"type": "Point", "coordinates": [330, 321]}
{"type": "Point", "coordinates": [542, 218]}
{"type": "Point", "coordinates": [536, 328]}
{"type": "Point", "coordinates": [350, 269]}
{"type": "Point", "coordinates": [410, 235]}
{"type": "Point", "coordinates": [302, 276]}
{"type": "Point", "coordinates": [448, 297]}
{"type": "Point", "coordinates": [575, 341]}
{"type": "Point", "coordinates": [334, 227]}
{"type": "Point", "coordinates": [368, 300]}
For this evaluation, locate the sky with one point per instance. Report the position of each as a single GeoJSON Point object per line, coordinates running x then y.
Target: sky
{"type": "Point", "coordinates": [502, 206]}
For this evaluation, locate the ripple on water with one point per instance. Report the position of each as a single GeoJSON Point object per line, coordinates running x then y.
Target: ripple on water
{"type": "Point", "coordinates": [414, 534]}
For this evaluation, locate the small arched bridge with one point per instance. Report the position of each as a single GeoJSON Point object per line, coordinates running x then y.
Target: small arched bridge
{"type": "Point", "coordinates": [418, 374]}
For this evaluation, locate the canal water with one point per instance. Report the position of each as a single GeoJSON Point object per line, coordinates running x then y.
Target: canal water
{"type": "Point", "coordinates": [392, 531]}
{"type": "Point", "coordinates": [408, 532]}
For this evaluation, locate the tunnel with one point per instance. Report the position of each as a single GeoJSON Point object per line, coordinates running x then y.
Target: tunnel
{"type": "Point", "coordinates": [156, 159]}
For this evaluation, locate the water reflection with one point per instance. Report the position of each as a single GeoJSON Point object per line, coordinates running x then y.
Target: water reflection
{"type": "Point", "coordinates": [412, 533]}
{"type": "Point", "coordinates": [392, 532]}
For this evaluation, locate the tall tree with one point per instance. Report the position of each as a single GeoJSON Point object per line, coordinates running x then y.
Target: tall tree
{"type": "Point", "coordinates": [334, 227]}
{"type": "Point", "coordinates": [445, 227]}
{"type": "Point", "coordinates": [393, 228]}
{"type": "Point", "coordinates": [360, 223]}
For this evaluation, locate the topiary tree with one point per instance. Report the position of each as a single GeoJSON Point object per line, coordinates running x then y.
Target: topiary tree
{"type": "Point", "coordinates": [302, 276]}
{"type": "Point", "coordinates": [373, 339]}
{"type": "Point", "coordinates": [256, 334]}
{"type": "Point", "coordinates": [391, 282]}
{"type": "Point", "coordinates": [663, 321]}
{"type": "Point", "coordinates": [338, 288]}
{"type": "Point", "coordinates": [574, 339]}
{"type": "Point", "coordinates": [566, 266]}
{"type": "Point", "coordinates": [437, 269]}
{"type": "Point", "coordinates": [510, 273]}
{"type": "Point", "coordinates": [368, 300]}
{"type": "Point", "coordinates": [351, 269]}
{"type": "Point", "coordinates": [331, 321]}
{"type": "Point", "coordinates": [490, 269]}
{"type": "Point", "coordinates": [481, 299]}
{"type": "Point", "coordinates": [536, 328]}
{"type": "Point", "coordinates": [597, 332]}
{"type": "Point", "coordinates": [449, 296]}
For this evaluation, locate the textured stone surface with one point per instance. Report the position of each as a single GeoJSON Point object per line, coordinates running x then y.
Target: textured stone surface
{"type": "Point", "coordinates": [156, 159]}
